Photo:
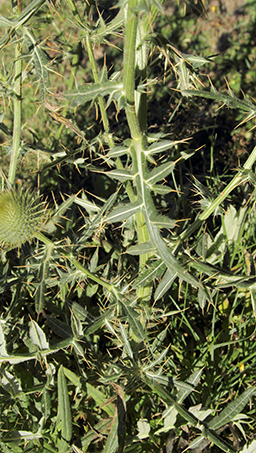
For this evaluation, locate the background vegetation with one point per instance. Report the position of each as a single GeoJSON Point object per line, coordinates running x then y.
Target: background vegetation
{"type": "Point", "coordinates": [127, 224]}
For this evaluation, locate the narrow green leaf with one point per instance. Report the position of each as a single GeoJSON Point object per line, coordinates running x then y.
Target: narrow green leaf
{"type": "Point", "coordinates": [160, 189]}
{"type": "Point", "coordinates": [89, 92]}
{"type": "Point", "coordinates": [76, 326]}
{"type": "Point", "coordinates": [10, 383]}
{"type": "Point", "coordinates": [193, 380]}
{"type": "Point", "coordinates": [59, 328]}
{"type": "Point", "coordinates": [160, 147]}
{"type": "Point", "coordinates": [64, 406]}
{"type": "Point", "coordinates": [249, 448]}
{"type": "Point", "coordinates": [233, 408]}
{"type": "Point", "coordinates": [154, 270]}
{"type": "Point", "coordinates": [111, 445]}
{"type": "Point", "coordinates": [100, 321]}
{"type": "Point", "coordinates": [76, 381]}
{"type": "Point", "coordinates": [39, 60]}
{"type": "Point", "coordinates": [159, 173]}
{"type": "Point", "coordinates": [126, 343]}
{"type": "Point", "coordinates": [87, 205]}
{"type": "Point", "coordinates": [133, 319]}
{"type": "Point", "coordinates": [120, 175]}
{"type": "Point", "coordinates": [123, 213]}
{"type": "Point", "coordinates": [141, 249]}
{"type": "Point", "coordinates": [118, 151]}
{"type": "Point", "coordinates": [162, 221]}
{"type": "Point", "coordinates": [37, 336]}
{"type": "Point", "coordinates": [165, 283]}
{"type": "Point", "coordinates": [100, 399]}
{"type": "Point", "coordinates": [6, 23]}
{"type": "Point", "coordinates": [42, 276]}
{"type": "Point", "coordinates": [3, 351]}
{"type": "Point", "coordinates": [21, 435]}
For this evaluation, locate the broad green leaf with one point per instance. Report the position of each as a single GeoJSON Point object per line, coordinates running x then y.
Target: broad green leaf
{"type": "Point", "coordinates": [143, 428]}
{"type": "Point", "coordinates": [64, 406]}
{"type": "Point", "coordinates": [170, 417]}
{"type": "Point", "coordinates": [37, 336]}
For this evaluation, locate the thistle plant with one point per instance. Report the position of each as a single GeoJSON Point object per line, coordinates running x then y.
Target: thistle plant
{"type": "Point", "coordinates": [21, 216]}
{"type": "Point", "coordinates": [122, 298]}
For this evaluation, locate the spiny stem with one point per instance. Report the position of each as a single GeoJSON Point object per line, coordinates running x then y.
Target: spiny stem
{"type": "Point", "coordinates": [17, 112]}
{"type": "Point", "coordinates": [129, 68]}
{"type": "Point", "coordinates": [104, 116]}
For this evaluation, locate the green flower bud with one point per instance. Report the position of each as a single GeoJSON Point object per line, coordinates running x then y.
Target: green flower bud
{"type": "Point", "coordinates": [21, 215]}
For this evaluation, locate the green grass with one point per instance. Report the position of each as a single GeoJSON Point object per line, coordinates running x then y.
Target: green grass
{"type": "Point", "coordinates": [127, 309]}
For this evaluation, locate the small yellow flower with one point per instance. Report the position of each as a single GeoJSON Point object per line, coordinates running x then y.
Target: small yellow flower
{"type": "Point", "coordinates": [241, 367]}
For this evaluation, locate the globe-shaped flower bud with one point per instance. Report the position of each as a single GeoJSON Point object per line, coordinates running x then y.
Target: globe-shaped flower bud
{"type": "Point", "coordinates": [21, 215]}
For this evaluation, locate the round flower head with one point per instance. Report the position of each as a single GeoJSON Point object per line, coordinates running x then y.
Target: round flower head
{"type": "Point", "coordinates": [21, 215]}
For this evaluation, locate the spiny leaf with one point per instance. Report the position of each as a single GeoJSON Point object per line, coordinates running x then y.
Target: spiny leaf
{"type": "Point", "coordinates": [39, 60]}
{"type": "Point", "coordinates": [123, 213]}
{"type": "Point", "coordinates": [232, 409]}
{"type": "Point", "coordinates": [64, 406]}
{"type": "Point", "coordinates": [89, 92]}
{"type": "Point", "coordinates": [37, 336]}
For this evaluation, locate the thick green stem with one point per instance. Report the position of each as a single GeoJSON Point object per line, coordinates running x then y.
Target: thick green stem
{"type": "Point", "coordinates": [134, 33]}
{"type": "Point", "coordinates": [17, 112]}
{"type": "Point", "coordinates": [141, 64]}
{"type": "Point", "coordinates": [129, 68]}
{"type": "Point", "coordinates": [104, 116]}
